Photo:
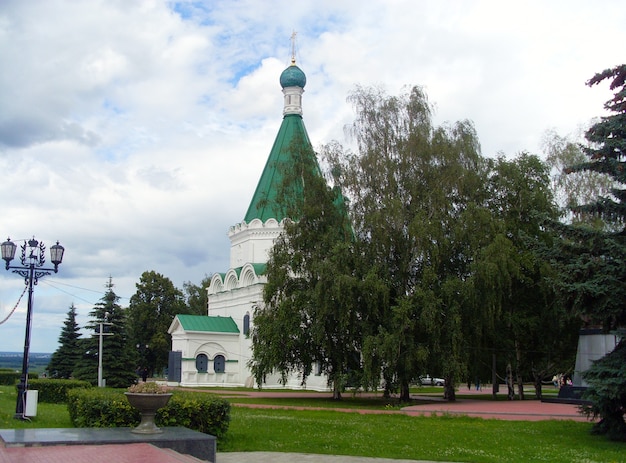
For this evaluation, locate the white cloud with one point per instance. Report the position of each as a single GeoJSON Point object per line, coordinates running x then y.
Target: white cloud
{"type": "Point", "coordinates": [135, 132]}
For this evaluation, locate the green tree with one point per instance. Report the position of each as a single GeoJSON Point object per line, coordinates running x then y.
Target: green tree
{"type": "Point", "coordinates": [66, 356]}
{"type": "Point", "coordinates": [574, 187]}
{"type": "Point", "coordinates": [196, 296]}
{"type": "Point", "coordinates": [607, 148]}
{"type": "Point", "coordinates": [534, 331]}
{"type": "Point", "coordinates": [118, 367]}
{"type": "Point", "coordinates": [417, 198]}
{"type": "Point", "coordinates": [607, 393]}
{"type": "Point", "coordinates": [312, 299]}
{"type": "Point", "coordinates": [593, 276]}
{"type": "Point", "coordinates": [150, 313]}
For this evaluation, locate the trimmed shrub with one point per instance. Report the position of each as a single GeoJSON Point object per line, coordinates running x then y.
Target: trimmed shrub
{"type": "Point", "coordinates": [10, 377]}
{"type": "Point", "coordinates": [199, 411]}
{"type": "Point", "coordinates": [54, 391]}
{"type": "Point", "coordinates": [107, 408]}
{"type": "Point", "coordinates": [100, 408]}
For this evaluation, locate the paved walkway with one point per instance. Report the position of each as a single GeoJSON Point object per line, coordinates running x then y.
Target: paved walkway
{"type": "Point", "coordinates": [146, 453]}
{"type": "Point", "coordinates": [527, 410]}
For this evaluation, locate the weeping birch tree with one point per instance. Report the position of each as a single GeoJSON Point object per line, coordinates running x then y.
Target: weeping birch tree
{"type": "Point", "coordinates": [511, 274]}
{"type": "Point", "coordinates": [417, 198]}
{"type": "Point", "coordinates": [314, 299]}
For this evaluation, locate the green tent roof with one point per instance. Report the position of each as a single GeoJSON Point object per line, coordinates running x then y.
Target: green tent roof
{"type": "Point", "coordinates": [208, 324]}
{"type": "Point", "coordinates": [263, 205]}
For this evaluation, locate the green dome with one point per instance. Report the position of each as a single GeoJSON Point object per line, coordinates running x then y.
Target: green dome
{"type": "Point", "coordinates": [292, 77]}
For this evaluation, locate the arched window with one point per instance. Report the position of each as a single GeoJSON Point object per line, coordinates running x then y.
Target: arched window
{"type": "Point", "coordinates": [219, 364]}
{"type": "Point", "coordinates": [246, 324]}
{"type": "Point", "coordinates": [202, 363]}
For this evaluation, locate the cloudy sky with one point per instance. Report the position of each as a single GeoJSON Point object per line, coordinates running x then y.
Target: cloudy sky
{"type": "Point", "coordinates": [134, 132]}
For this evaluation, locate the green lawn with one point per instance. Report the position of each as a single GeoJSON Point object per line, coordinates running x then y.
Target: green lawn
{"type": "Point", "coordinates": [447, 438]}
{"type": "Point", "coordinates": [48, 415]}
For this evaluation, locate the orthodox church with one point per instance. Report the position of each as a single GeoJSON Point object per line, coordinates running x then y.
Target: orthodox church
{"type": "Point", "coordinates": [214, 350]}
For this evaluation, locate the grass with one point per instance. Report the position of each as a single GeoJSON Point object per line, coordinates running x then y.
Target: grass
{"type": "Point", "coordinates": [48, 415]}
{"type": "Point", "coordinates": [447, 438]}
{"type": "Point", "coordinates": [444, 438]}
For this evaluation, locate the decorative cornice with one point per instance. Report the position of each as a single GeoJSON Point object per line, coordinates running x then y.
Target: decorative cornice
{"type": "Point", "coordinates": [256, 224]}
{"type": "Point", "coordinates": [243, 277]}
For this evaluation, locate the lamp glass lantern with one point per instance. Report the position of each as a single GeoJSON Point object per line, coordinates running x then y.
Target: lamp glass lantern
{"type": "Point", "coordinates": [56, 254]}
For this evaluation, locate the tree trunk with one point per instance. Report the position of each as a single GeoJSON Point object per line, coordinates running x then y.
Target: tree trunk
{"type": "Point", "coordinates": [336, 390]}
{"type": "Point", "coordinates": [449, 393]}
{"type": "Point", "coordinates": [538, 378]}
{"type": "Point", "coordinates": [405, 395]}
{"type": "Point", "coordinates": [518, 369]}
{"type": "Point", "coordinates": [509, 382]}
{"type": "Point", "coordinates": [538, 391]}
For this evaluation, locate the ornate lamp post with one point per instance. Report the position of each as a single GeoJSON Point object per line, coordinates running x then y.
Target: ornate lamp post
{"type": "Point", "coordinates": [32, 259]}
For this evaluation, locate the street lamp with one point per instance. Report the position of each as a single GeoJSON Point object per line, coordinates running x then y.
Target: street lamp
{"type": "Point", "coordinates": [100, 346]}
{"type": "Point", "coordinates": [32, 259]}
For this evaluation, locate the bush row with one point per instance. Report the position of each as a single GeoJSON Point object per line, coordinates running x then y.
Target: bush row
{"type": "Point", "coordinates": [9, 377]}
{"type": "Point", "coordinates": [106, 408]}
{"type": "Point", "coordinates": [54, 391]}
{"type": "Point", "coordinates": [200, 411]}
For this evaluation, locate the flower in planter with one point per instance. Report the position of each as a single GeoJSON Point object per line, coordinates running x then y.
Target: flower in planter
{"type": "Point", "coordinates": [147, 388]}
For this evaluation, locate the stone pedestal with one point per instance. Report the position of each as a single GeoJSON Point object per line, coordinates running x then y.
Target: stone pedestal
{"type": "Point", "coordinates": [593, 344]}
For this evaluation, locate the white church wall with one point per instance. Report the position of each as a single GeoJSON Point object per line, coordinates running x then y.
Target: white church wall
{"type": "Point", "coordinates": [252, 242]}
{"type": "Point", "coordinates": [226, 345]}
{"type": "Point", "coordinates": [236, 302]}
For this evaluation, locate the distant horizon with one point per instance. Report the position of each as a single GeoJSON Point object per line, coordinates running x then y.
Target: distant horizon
{"type": "Point", "coordinates": [21, 354]}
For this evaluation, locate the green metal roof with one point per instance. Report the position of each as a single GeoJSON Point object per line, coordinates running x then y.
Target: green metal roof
{"type": "Point", "coordinates": [208, 324]}
{"type": "Point", "coordinates": [259, 269]}
{"type": "Point", "coordinates": [263, 205]}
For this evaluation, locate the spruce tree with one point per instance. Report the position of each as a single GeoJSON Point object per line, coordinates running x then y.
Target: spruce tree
{"type": "Point", "coordinates": [65, 358]}
{"type": "Point", "coordinates": [593, 276]}
{"type": "Point", "coordinates": [118, 367]}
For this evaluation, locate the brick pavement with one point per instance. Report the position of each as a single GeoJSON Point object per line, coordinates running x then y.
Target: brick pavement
{"type": "Point", "coordinates": [122, 453]}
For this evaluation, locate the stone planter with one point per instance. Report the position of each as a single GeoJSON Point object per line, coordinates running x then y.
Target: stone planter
{"type": "Point", "coordinates": [147, 404]}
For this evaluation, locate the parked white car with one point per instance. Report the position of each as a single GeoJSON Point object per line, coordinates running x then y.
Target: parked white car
{"type": "Point", "coordinates": [428, 381]}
